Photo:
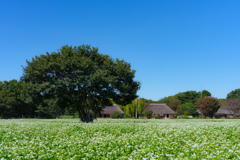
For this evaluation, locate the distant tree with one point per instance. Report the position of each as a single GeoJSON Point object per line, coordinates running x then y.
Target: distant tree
{"type": "Point", "coordinates": [191, 96]}
{"type": "Point", "coordinates": [232, 105]}
{"type": "Point", "coordinates": [174, 105]}
{"type": "Point", "coordinates": [206, 93]}
{"type": "Point", "coordinates": [148, 114]}
{"type": "Point", "coordinates": [116, 114]}
{"type": "Point", "coordinates": [129, 109]}
{"type": "Point", "coordinates": [140, 105]}
{"type": "Point", "coordinates": [208, 105]}
{"type": "Point", "coordinates": [234, 94]}
{"type": "Point", "coordinates": [167, 100]}
{"type": "Point", "coordinates": [221, 101]}
{"type": "Point", "coordinates": [145, 105]}
{"type": "Point", "coordinates": [188, 97]}
{"type": "Point", "coordinates": [81, 78]}
{"type": "Point", "coordinates": [189, 108]}
{"type": "Point", "coordinates": [13, 102]}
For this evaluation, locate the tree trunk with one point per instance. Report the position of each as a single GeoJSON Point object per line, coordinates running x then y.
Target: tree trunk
{"type": "Point", "coordinates": [84, 117]}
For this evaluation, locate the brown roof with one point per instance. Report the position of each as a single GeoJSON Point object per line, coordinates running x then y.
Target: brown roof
{"type": "Point", "coordinates": [224, 112]}
{"type": "Point", "coordinates": [161, 109]}
{"type": "Point", "coordinates": [110, 109]}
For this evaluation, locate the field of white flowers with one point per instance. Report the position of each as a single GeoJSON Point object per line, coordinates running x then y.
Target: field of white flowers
{"type": "Point", "coordinates": [119, 139]}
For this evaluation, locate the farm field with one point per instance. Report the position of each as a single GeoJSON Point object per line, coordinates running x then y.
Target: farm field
{"type": "Point", "coordinates": [119, 139]}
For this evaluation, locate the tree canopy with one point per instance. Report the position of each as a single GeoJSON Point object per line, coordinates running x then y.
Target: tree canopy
{"type": "Point", "coordinates": [81, 78]}
{"type": "Point", "coordinates": [185, 97]}
{"type": "Point", "coordinates": [234, 94]}
{"type": "Point", "coordinates": [13, 100]}
{"type": "Point", "coordinates": [188, 108]}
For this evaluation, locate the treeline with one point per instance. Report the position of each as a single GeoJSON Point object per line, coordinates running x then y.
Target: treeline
{"type": "Point", "coordinates": [187, 103]}
{"type": "Point", "coordinates": [17, 101]}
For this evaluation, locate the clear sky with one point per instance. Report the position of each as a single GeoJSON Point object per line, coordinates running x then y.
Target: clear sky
{"type": "Point", "coordinates": [174, 46]}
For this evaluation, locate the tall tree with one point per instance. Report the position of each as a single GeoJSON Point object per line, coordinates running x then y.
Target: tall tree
{"type": "Point", "coordinates": [81, 78]}
{"type": "Point", "coordinates": [208, 105]}
{"type": "Point", "coordinates": [234, 94]}
{"type": "Point", "coordinates": [189, 108]}
{"type": "Point", "coordinates": [205, 93]}
{"type": "Point", "coordinates": [188, 96]}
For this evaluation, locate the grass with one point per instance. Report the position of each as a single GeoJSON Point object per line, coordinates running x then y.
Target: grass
{"type": "Point", "coordinates": [119, 139]}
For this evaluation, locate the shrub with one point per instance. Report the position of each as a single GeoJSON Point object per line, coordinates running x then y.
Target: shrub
{"type": "Point", "coordinates": [148, 113]}
{"type": "Point", "coordinates": [158, 116]}
{"type": "Point", "coordinates": [116, 114]}
{"type": "Point", "coordinates": [141, 117]}
{"type": "Point", "coordinates": [183, 117]}
{"type": "Point", "coordinates": [127, 116]}
{"type": "Point", "coordinates": [174, 116]}
{"type": "Point", "coordinates": [217, 117]}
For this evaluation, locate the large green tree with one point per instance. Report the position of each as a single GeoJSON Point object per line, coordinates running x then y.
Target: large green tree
{"type": "Point", "coordinates": [81, 78]}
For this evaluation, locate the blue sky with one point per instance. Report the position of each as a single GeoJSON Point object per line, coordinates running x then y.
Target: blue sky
{"type": "Point", "coordinates": [174, 46]}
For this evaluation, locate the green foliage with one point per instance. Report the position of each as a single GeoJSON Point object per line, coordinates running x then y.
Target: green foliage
{"type": "Point", "coordinates": [234, 94]}
{"type": "Point", "coordinates": [183, 117]}
{"type": "Point", "coordinates": [188, 97]}
{"type": "Point", "coordinates": [184, 97]}
{"type": "Point", "coordinates": [158, 116]}
{"type": "Point", "coordinates": [129, 109]}
{"type": "Point", "coordinates": [13, 102]}
{"type": "Point", "coordinates": [221, 101]}
{"type": "Point", "coordinates": [116, 114]}
{"type": "Point", "coordinates": [66, 117]}
{"type": "Point", "coordinates": [206, 93]}
{"type": "Point", "coordinates": [126, 116]}
{"type": "Point", "coordinates": [120, 139]}
{"type": "Point", "coordinates": [189, 108]}
{"type": "Point", "coordinates": [167, 100]}
{"type": "Point", "coordinates": [217, 117]}
{"type": "Point", "coordinates": [208, 105]}
{"type": "Point", "coordinates": [148, 114]}
{"type": "Point", "coordinates": [81, 78]}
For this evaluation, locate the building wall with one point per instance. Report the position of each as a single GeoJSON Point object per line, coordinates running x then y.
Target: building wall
{"type": "Point", "coordinates": [168, 116]}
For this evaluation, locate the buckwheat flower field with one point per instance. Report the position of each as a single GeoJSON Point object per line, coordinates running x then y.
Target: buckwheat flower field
{"type": "Point", "coordinates": [119, 139]}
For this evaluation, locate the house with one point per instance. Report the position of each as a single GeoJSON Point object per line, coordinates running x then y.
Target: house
{"type": "Point", "coordinates": [162, 109]}
{"type": "Point", "coordinates": [224, 113]}
{"type": "Point", "coordinates": [199, 113]}
{"type": "Point", "coordinates": [109, 109]}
